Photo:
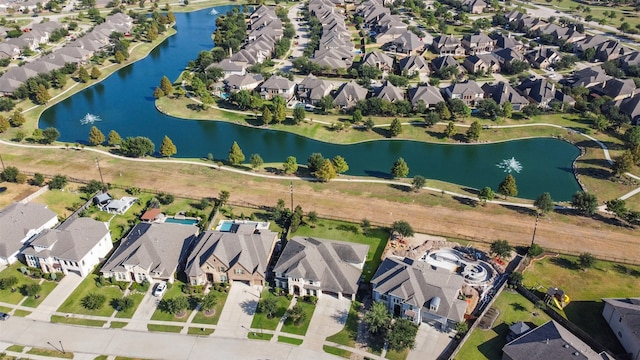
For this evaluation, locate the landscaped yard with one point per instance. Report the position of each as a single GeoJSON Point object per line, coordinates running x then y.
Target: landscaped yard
{"type": "Point", "coordinates": [14, 297]}
{"type": "Point", "coordinates": [201, 318]}
{"type": "Point", "coordinates": [174, 291]}
{"type": "Point", "coordinates": [376, 238]}
{"type": "Point", "coordinates": [300, 329]}
{"type": "Point", "coordinates": [51, 353]}
{"type": "Point", "coordinates": [585, 289]}
{"type": "Point", "coordinates": [261, 321]}
{"type": "Point", "coordinates": [137, 299]}
{"type": "Point", "coordinates": [46, 287]}
{"type": "Point", "coordinates": [62, 203]}
{"type": "Point", "coordinates": [348, 335]}
{"type": "Point", "coordinates": [73, 304]}
{"type": "Point", "coordinates": [487, 344]}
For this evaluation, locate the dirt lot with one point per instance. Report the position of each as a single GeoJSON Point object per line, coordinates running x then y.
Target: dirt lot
{"type": "Point", "coordinates": [381, 204]}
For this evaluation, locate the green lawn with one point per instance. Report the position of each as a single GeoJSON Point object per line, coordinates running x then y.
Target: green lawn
{"type": "Point", "coordinates": [21, 313]}
{"type": "Point", "coordinates": [117, 324]}
{"type": "Point", "coordinates": [348, 335]}
{"type": "Point", "coordinates": [300, 329]}
{"type": "Point", "coordinates": [46, 288]}
{"type": "Point", "coordinates": [16, 348]}
{"type": "Point", "coordinates": [14, 297]}
{"type": "Point", "coordinates": [376, 238]}
{"type": "Point", "coordinates": [51, 353]}
{"type": "Point", "coordinates": [289, 340]}
{"type": "Point", "coordinates": [127, 314]}
{"type": "Point", "coordinates": [62, 203]}
{"type": "Point", "coordinates": [395, 355]}
{"type": "Point", "coordinates": [76, 321]}
{"type": "Point", "coordinates": [259, 336]}
{"type": "Point", "coordinates": [201, 318]}
{"type": "Point", "coordinates": [337, 351]}
{"type": "Point", "coordinates": [487, 344]}
{"type": "Point", "coordinates": [88, 285]}
{"type": "Point", "coordinates": [605, 280]}
{"type": "Point", "coordinates": [174, 291]}
{"type": "Point", "coordinates": [164, 328]}
{"type": "Point", "coordinates": [200, 331]}
{"type": "Point", "coordinates": [261, 321]}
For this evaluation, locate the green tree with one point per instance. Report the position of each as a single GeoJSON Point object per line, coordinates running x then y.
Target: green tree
{"type": "Point", "coordinates": [58, 182]}
{"type": "Point", "coordinates": [95, 73]}
{"type": "Point", "coordinates": [500, 248]}
{"type": "Point", "coordinates": [461, 328]}
{"type": "Point", "coordinates": [624, 163]}
{"type": "Point", "coordinates": [268, 305]}
{"type": "Point", "coordinates": [402, 227]}
{"type": "Point", "coordinates": [314, 162]}
{"type": "Point", "coordinates": [83, 75]}
{"type": "Point", "coordinates": [326, 103]}
{"type": "Point", "coordinates": [166, 86]}
{"type": "Point", "coordinates": [158, 93]}
{"type": "Point", "coordinates": [618, 207]}
{"type": "Point", "coordinates": [8, 282]}
{"type": "Point", "coordinates": [17, 119]}
{"type": "Point", "coordinates": [137, 146]}
{"type": "Point", "coordinates": [535, 250]}
{"type": "Point", "coordinates": [167, 148]}
{"type": "Point", "coordinates": [296, 314]}
{"type": "Point", "coordinates": [114, 138]}
{"type": "Point", "coordinates": [356, 117]}
{"type": "Point", "coordinates": [267, 116]}
{"type": "Point", "coordinates": [340, 164]}
{"type": "Point", "coordinates": [377, 318]}
{"type": "Point", "coordinates": [473, 133]}
{"type": "Point", "coordinates": [508, 186]}
{"type": "Point", "coordinates": [119, 57]}
{"type": "Point", "coordinates": [256, 161]}
{"type": "Point", "coordinates": [290, 165]}
{"type": "Point", "coordinates": [279, 109]}
{"type": "Point", "coordinates": [402, 335]}
{"type": "Point", "coordinates": [38, 179]}
{"type": "Point", "coordinates": [299, 114]}
{"type": "Point", "coordinates": [369, 124]}
{"type": "Point", "coordinates": [515, 278]}
{"type": "Point", "coordinates": [124, 303]}
{"type": "Point", "coordinates": [42, 95]}
{"type": "Point", "coordinates": [236, 156]}
{"type": "Point", "coordinates": [486, 194]}
{"type": "Point", "coordinates": [399, 169]}
{"type": "Point", "coordinates": [450, 130]}
{"type": "Point", "coordinates": [4, 124]}
{"type": "Point", "coordinates": [507, 109]}
{"type": "Point", "coordinates": [586, 261]}
{"type": "Point", "coordinates": [152, 32]}
{"type": "Point", "coordinates": [365, 224]}
{"type": "Point", "coordinates": [209, 301]}
{"type": "Point", "coordinates": [223, 197]}
{"type": "Point", "coordinates": [326, 171]}
{"type": "Point", "coordinates": [93, 301]}
{"type": "Point", "coordinates": [96, 137]}
{"type": "Point", "coordinates": [585, 202]}
{"type": "Point", "coordinates": [396, 128]}
{"type": "Point", "coordinates": [31, 289]}
{"type": "Point", "coordinates": [10, 174]}
{"type": "Point", "coordinates": [544, 203]}
{"type": "Point", "coordinates": [49, 135]}
{"type": "Point", "coordinates": [418, 182]}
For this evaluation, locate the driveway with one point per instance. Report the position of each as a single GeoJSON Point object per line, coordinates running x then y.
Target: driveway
{"type": "Point", "coordinates": [430, 343]}
{"type": "Point", "coordinates": [328, 318]}
{"type": "Point", "coordinates": [237, 313]}
{"type": "Point", "coordinates": [55, 299]}
{"type": "Point", "coordinates": [144, 311]}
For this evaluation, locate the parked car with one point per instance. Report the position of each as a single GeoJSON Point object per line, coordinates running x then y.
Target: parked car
{"type": "Point", "coordinates": [4, 316]}
{"type": "Point", "coordinates": [160, 289]}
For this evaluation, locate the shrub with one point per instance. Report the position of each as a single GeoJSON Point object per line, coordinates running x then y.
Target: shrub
{"type": "Point", "coordinates": [93, 301]}
{"type": "Point", "coordinates": [165, 199]}
{"type": "Point", "coordinates": [8, 282]}
{"type": "Point", "coordinates": [535, 250]}
{"type": "Point", "coordinates": [123, 304]}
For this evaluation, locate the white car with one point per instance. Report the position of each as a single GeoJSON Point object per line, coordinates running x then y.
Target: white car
{"type": "Point", "coordinates": [160, 289]}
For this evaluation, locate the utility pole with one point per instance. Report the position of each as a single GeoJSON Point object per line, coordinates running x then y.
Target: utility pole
{"type": "Point", "coordinates": [2, 163]}
{"type": "Point", "coordinates": [100, 171]}
{"type": "Point", "coordinates": [291, 190]}
{"type": "Point", "coordinates": [535, 228]}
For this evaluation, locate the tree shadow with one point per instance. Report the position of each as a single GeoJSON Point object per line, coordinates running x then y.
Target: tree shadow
{"type": "Point", "coordinates": [564, 263]}
{"type": "Point", "coordinates": [249, 306]}
{"type": "Point", "coordinates": [465, 201]}
{"type": "Point", "coordinates": [492, 349]}
{"type": "Point", "coordinates": [340, 316]}
{"type": "Point", "coordinates": [194, 107]}
{"type": "Point", "coordinates": [625, 270]}
{"type": "Point", "coordinates": [273, 170]}
{"type": "Point", "coordinates": [518, 307]}
{"type": "Point", "coordinates": [587, 315]}
{"type": "Point", "coordinates": [520, 210]}
{"type": "Point", "coordinates": [400, 187]}
{"type": "Point", "coordinates": [3, 189]}
{"type": "Point", "coordinates": [378, 174]}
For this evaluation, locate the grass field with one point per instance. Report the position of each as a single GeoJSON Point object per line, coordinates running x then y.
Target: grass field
{"type": "Point", "coordinates": [605, 280]}
{"type": "Point", "coordinates": [174, 291]}
{"type": "Point", "coordinates": [164, 328]}
{"type": "Point", "coordinates": [117, 324]}
{"type": "Point", "coordinates": [201, 318]}
{"type": "Point", "coordinates": [46, 287]}
{"type": "Point", "coordinates": [300, 329]}
{"type": "Point", "coordinates": [127, 314]}
{"type": "Point", "coordinates": [376, 238]}
{"type": "Point", "coordinates": [73, 304]}
{"type": "Point", "coordinates": [259, 336]}
{"type": "Point", "coordinates": [348, 335]}
{"type": "Point", "coordinates": [487, 344]}
{"type": "Point", "coordinates": [337, 351]}
{"type": "Point", "coordinates": [289, 340]}
{"type": "Point", "coordinates": [77, 321]}
{"type": "Point", "coordinates": [14, 297]}
{"type": "Point", "coordinates": [397, 355]}
{"type": "Point", "coordinates": [50, 353]}
{"type": "Point", "coordinates": [21, 313]}
{"type": "Point", "coordinates": [62, 203]}
{"type": "Point", "coordinates": [200, 331]}
{"type": "Point", "coordinates": [261, 321]}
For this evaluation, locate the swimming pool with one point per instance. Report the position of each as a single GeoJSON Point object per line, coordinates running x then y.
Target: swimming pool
{"type": "Point", "coordinates": [225, 226]}
{"type": "Point", "coordinates": [182, 221]}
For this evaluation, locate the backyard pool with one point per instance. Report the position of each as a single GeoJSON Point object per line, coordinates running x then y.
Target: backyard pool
{"type": "Point", "coordinates": [182, 221]}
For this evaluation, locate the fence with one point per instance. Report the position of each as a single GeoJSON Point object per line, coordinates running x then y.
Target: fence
{"type": "Point", "coordinates": [41, 191]}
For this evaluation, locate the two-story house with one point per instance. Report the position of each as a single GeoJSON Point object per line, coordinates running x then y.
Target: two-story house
{"type": "Point", "coordinates": [623, 317]}
{"type": "Point", "coordinates": [277, 86]}
{"type": "Point", "coordinates": [479, 43]}
{"type": "Point", "coordinates": [20, 223]}
{"type": "Point", "coordinates": [469, 92]}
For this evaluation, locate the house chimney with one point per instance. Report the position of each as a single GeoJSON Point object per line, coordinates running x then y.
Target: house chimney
{"type": "Point", "coordinates": [230, 51]}
{"type": "Point", "coordinates": [547, 341]}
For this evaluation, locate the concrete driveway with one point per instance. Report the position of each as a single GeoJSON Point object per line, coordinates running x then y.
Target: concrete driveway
{"type": "Point", "coordinates": [328, 318]}
{"type": "Point", "coordinates": [55, 299]}
{"type": "Point", "coordinates": [145, 310]}
{"type": "Point", "coordinates": [430, 343]}
{"type": "Point", "coordinates": [237, 313]}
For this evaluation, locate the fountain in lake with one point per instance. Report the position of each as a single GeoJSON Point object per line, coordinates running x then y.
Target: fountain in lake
{"type": "Point", "coordinates": [509, 165]}
{"type": "Point", "coordinates": [213, 12]}
{"type": "Point", "coordinates": [89, 119]}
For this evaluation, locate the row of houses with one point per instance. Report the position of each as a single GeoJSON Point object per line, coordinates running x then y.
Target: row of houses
{"type": "Point", "coordinates": [75, 52]}
{"type": "Point", "coordinates": [335, 49]}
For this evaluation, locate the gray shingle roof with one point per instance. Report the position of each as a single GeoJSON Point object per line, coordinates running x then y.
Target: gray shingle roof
{"type": "Point", "coordinates": [389, 92]}
{"type": "Point", "coordinates": [350, 93]}
{"type": "Point", "coordinates": [16, 220]}
{"type": "Point", "coordinates": [503, 92]}
{"type": "Point", "coordinates": [331, 262]}
{"type": "Point", "coordinates": [629, 310]}
{"type": "Point", "coordinates": [429, 94]}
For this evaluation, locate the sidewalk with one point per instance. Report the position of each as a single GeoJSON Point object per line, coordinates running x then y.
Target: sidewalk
{"type": "Point", "coordinates": [56, 298]}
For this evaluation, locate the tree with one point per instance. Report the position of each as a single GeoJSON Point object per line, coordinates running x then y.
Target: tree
{"type": "Point", "coordinates": [507, 109]}
{"type": "Point", "coordinates": [8, 282]}
{"type": "Point", "coordinates": [92, 187]}
{"type": "Point", "coordinates": [402, 227]}
{"type": "Point", "coordinates": [290, 165]}
{"type": "Point", "coordinates": [340, 164]}
{"type": "Point", "coordinates": [236, 156]}
{"type": "Point", "coordinates": [279, 109]}
{"type": "Point", "coordinates": [489, 108]}
{"type": "Point", "coordinates": [17, 119]}
{"type": "Point", "coordinates": [500, 248]}
{"type": "Point", "coordinates": [623, 163]}
{"type": "Point", "coordinates": [515, 278]}
{"type": "Point", "coordinates": [114, 138]}
{"type": "Point", "coordinates": [418, 182]}
{"type": "Point", "coordinates": [544, 203]}
{"type": "Point", "coordinates": [4, 124]}
{"type": "Point", "coordinates": [365, 224]}
{"type": "Point", "coordinates": [356, 117]}
{"type": "Point", "coordinates": [296, 314]}
{"type": "Point", "coordinates": [299, 114]}
{"type": "Point", "coordinates": [49, 135]}
{"type": "Point", "coordinates": [167, 148]}
{"type": "Point", "coordinates": [399, 169]}
{"type": "Point", "coordinates": [314, 162]}
{"type": "Point", "coordinates": [632, 136]}
{"type": "Point", "coordinates": [313, 217]}
{"type": "Point", "coordinates": [96, 137]}
{"type": "Point", "coordinates": [486, 194]}
{"type": "Point", "coordinates": [124, 304]}
{"type": "Point", "coordinates": [326, 171]}
{"type": "Point", "coordinates": [618, 207]}
{"type": "Point", "coordinates": [174, 305]}
{"type": "Point", "coordinates": [461, 328]}
{"type": "Point", "coordinates": [209, 301]}
{"type": "Point", "coordinates": [473, 133]}
{"type": "Point", "coordinates": [402, 334]}
{"type": "Point", "coordinates": [166, 86]}
{"type": "Point", "coordinates": [377, 318]}
{"type": "Point", "coordinates": [326, 103]}
{"type": "Point", "coordinates": [93, 301]}
{"type": "Point", "coordinates": [586, 260]}
{"type": "Point", "coordinates": [83, 75]}
{"type": "Point", "coordinates": [38, 179]}
{"type": "Point", "coordinates": [508, 186]}
{"type": "Point", "coordinates": [223, 197]}
{"type": "Point", "coordinates": [450, 130]}
{"type": "Point", "coordinates": [267, 116]}
{"type": "Point", "coordinates": [95, 73]}
{"type": "Point", "coordinates": [138, 146]}
{"type": "Point", "coordinates": [535, 250]}
{"type": "Point", "coordinates": [58, 182]}
{"type": "Point", "coordinates": [256, 161]}
{"type": "Point", "coordinates": [158, 93]}
{"type": "Point", "coordinates": [396, 128]}
{"type": "Point", "coordinates": [119, 57]}
{"type": "Point", "coordinates": [42, 95]}
{"type": "Point", "coordinates": [10, 174]}
{"type": "Point", "coordinates": [31, 289]}
{"type": "Point", "coordinates": [268, 305]}
{"type": "Point", "coordinates": [585, 202]}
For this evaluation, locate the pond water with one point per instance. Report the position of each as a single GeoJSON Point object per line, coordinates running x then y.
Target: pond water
{"type": "Point", "coordinates": [124, 102]}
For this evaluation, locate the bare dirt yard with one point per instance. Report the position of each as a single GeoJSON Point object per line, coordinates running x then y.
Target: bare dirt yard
{"type": "Point", "coordinates": [429, 213]}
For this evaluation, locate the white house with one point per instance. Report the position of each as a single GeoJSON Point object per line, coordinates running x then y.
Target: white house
{"type": "Point", "coordinates": [120, 206]}
{"type": "Point", "coordinates": [623, 317]}
{"type": "Point", "coordinates": [19, 223]}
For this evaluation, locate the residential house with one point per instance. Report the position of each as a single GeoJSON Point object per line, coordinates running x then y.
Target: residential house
{"type": "Point", "coordinates": [589, 77]}
{"type": "Point", "coordinates": [8, 50]}
{"type": "Point", "coordinates": [349, 94]}
{"type": "Point", "coordinates": [20, 223]}
{"type": "Point", "coordinates": [543, 57]}
{"type": "Point", "coordinates": [611, 50]}
{"type": "Point", "coordinates": [516, 330]}
{"type": "Point", "coordinates": [632, 59]}
{"type": "Point", "coordinates": [76, 246]}
{"type": "Point", "coordinates": [503, 41]}
{"type": "Point", "coordinates": [589, 42]}
{"type": "Point", "coordinates": [485, 63]}
{"type": "Point", "coordinates": [389, 92]}
{"type": "Point", "coordinates": [318, 267]}
{"type": "Point", "coordinates": [378, 60]}
{"type": "Point", "coordinates": [247, 81]}
{"type": "Point", "coordinates": [474, 6]}
{"type": "Point", "coordinates": [242, 255]}
{"type": "Point", "coordinates": [414, 66]}
{"type": "Point", "coordinates": [503, 92]}
{"type": "Point", "coordinates": [631, 107]}
{"type": "Point", "coordinates": [230, 67]}
{"type": "Point", "coordinates": [428, 94]}
{"type": "Point", "coordinates": [389, 28]}
{"type": "Point", "coordinates": [120, 206]}
{"type": "Point", "coordinates": [151, 251]}
{"type": "Point", "coordinates": [414, 290]}
{"type": "Point", "coordinates": [469, 92]}
{"type": "Point", "coordinates": [277, 86]}
{"type": "Point", "coordinates": [448, 45]}
{"type": "Point", "coordinates": [549, 341]}
{"type": "Point", "coordinates": [543, 92]}
{"type": "Point", "coordinates": [616, 89]}
{"type": "Point", "coordinates": [152, 215]}
{"type": "Point", "coordinates": [479, 43]}
{"type": "Point", "coordinates": [443, 62]}
{"type": "Point", "coordinates": [507, 56]}
{"type": "Point", "coordinates": [408, 44]}
{"type": "Point", "coordinates": [623, 317]}
{"type": "Point", "coordinates": [311, 89]}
